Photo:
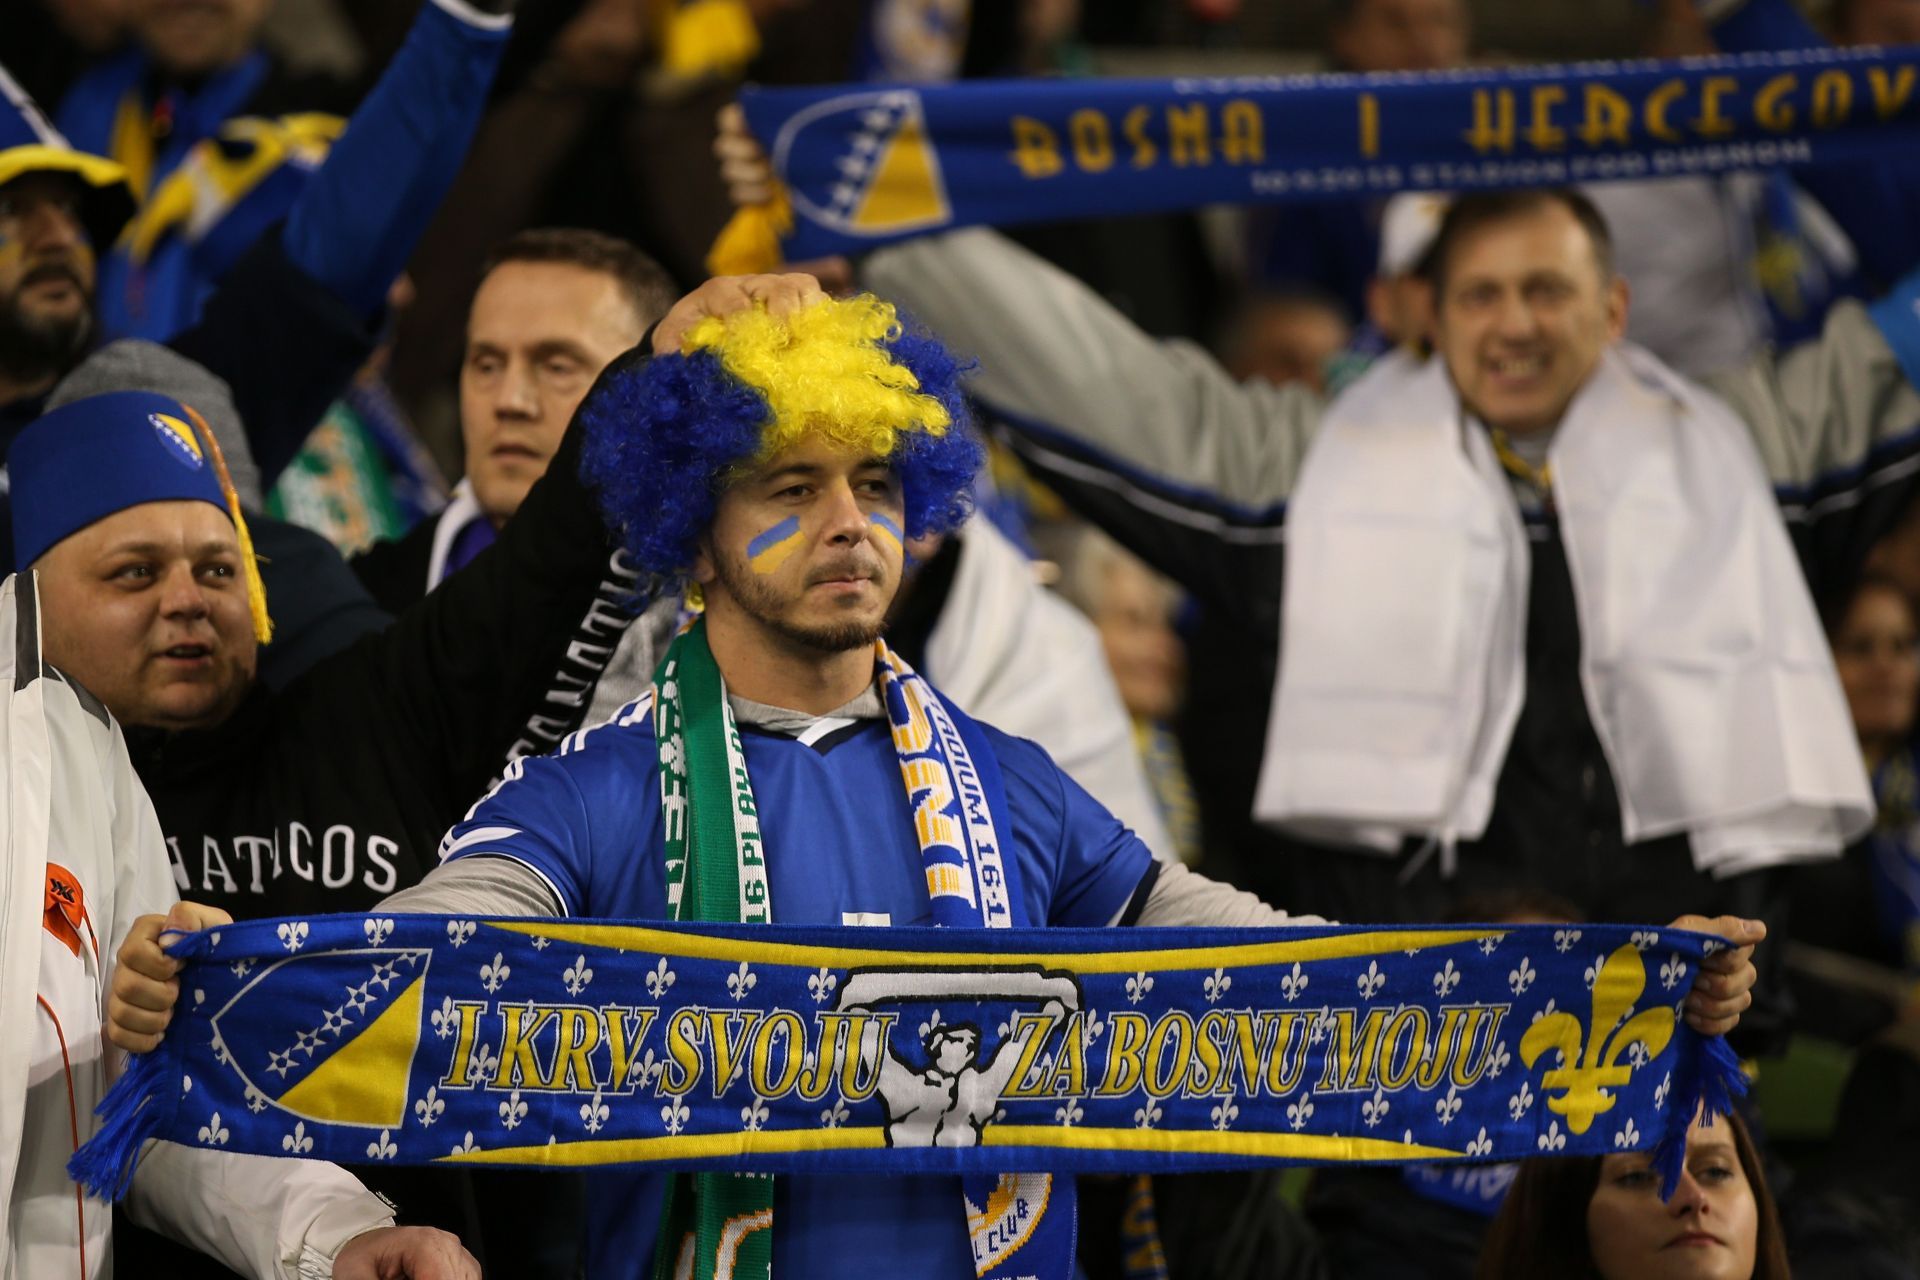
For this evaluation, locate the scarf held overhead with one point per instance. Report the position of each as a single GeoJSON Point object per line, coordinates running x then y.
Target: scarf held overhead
{"type": "Point", "coordinates": [861, 166]}
{"type": "Point", "coordinates": [769, 1048]}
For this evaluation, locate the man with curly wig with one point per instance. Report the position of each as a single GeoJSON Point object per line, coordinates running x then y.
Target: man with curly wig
{"type": "Point", "coordinates": [787, 765]}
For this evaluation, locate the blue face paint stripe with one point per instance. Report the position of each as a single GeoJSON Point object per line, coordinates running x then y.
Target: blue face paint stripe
{"type": "Point", "coordinates": [773, 537]}
{"type": "Point", "coordinates": [886, 522]}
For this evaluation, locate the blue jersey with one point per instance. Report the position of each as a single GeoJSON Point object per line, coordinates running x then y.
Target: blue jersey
{"type": "Point", "coordinates": [840, 849]}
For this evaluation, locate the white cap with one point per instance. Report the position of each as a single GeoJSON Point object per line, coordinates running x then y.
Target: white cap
{"type": "Point", "coordinates": [1408, 228]}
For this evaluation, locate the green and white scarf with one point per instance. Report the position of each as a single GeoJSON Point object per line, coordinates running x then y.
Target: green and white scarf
{"type": "Point", "coordinates": [716, 1224]}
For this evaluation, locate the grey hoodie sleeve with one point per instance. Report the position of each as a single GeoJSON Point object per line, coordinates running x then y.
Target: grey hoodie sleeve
{"type": "Point", "coordinates": [1837, 423]}
{"type": "Point", "coordinates": [1151, 440]}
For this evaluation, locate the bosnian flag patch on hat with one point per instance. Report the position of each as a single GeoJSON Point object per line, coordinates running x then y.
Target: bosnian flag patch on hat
{"type": "Point", "coordinates": [179, 439]}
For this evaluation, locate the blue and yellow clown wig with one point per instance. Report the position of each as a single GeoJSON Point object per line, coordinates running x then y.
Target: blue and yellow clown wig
{"type": "Point", "coordinates": [666, 436]}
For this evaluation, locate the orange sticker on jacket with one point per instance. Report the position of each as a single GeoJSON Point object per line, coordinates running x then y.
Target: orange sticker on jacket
{"type": "Point", "coordinates": [66, 908]}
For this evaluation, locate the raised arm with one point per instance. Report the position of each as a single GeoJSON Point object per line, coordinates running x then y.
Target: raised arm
{"type": "Point", "coordinates": [1837, 422]}
{"type": "Point", "coordinates": [293, 320]}
{"type": "Point", "coordinates": [1150, 440]}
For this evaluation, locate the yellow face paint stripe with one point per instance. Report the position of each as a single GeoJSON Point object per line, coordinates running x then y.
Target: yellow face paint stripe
{"type": "Point", "coordinates": [770, 548]}
{"type": "Point", "coordinates": [884, 526]}
{"type": "Point", "coordinates": [703, 947]}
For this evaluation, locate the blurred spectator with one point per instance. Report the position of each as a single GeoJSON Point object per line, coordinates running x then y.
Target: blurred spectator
{"type": "Point", "coordinates": [1198, 475]}
{"type": "Point", "coordinates": [190, 70]}
{"type": "Point", "coordinates": [1332, 247]}
{"type": "Point", "coordinates": [1283, 338]}
{"type": "Point", "coordinates": [1603, 1216]}
{"type": "Point", "coordinates": [1134, 610]}
{"type": "Point", "coordinates": [362, 474]}
{"type": "Point", "coordinates": [553, 308]}
{"type": "Point", "coordinates": [1867, 904]}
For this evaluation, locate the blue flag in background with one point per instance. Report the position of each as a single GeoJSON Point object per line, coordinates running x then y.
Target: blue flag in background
{"type": "Point", "coordinates": [865, 165]}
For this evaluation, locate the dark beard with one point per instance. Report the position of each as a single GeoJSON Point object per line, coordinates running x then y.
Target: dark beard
{"type": "Point", "coordinates": [756, 600]}
{"type": "Point", "coordinates": [37, 348]}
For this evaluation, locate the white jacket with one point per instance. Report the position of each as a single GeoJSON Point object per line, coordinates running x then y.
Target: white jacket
{"type": "Point", "coordinates": [81, 857]}
{"type": "Point", "coordinates": [1018, 657]}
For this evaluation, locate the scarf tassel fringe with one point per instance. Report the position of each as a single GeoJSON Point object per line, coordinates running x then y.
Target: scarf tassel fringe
{"type": "Point", "coordinates": [1713, 1078]}
{"type": "Point", "coordinates": [140, 1105]}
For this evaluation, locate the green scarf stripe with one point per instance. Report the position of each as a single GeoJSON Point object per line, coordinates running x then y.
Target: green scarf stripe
{"type": "Point", "coordinates": [714, 858]}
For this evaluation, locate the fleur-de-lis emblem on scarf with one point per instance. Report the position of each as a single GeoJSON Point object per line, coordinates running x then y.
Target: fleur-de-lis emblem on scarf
{"type": "Point", "coordinates": [292, 933]}
{"type": "Point", "coordinates": [445, 1019]}
{"type": "Point", "coordinates": [297, 1143]}
{"type": "Point", "coordinates": [1299, 1113]}
{"type": "Point", "coordinates": [1628, 1137]}
{"type": "Point", "coordinates": [1216, 986]}
{"type": "Point", "coordinates": [385, 1149]}
{"type": "Point", "coordinates": [1448, 1107]}
{"type": "Point", "coordinates": [1579, 1085]}
{"type": "Point", "coordinates": [1293, 982]}
{"type": "Point", "coordinates": [1480, 1146]}
{"type": "Point", "coordinates": [1148, 1116]}
{"type": "Point", "coordinates": [754, 1115]}
{"type": "Point", "coordinates": [741, 981]}
{"type": "Point", "coordinates": [494, 976]}
{"type": "Point", "coordinates": [1446, 980]}
{"type": "Point", "coordinates": [458, 931]}
{"type": "Point", "coordinates": [1563, 939]}
{"type": "Point", "coordinates": [1069, 1113]}
{"type": "Point", "coordinates": [1553, 1139]}
{"type": "Point", "coordinates": [376, 930]}
{"type": "Point", "coordinates": [1519, 979]}
{"type": "Point", "coordinates": [674, 1115]}
{"type": "Point", "coordinates": [1370, 982]}
{"type": "Point", "coordinates": [1224, 1115]}
{"type": "Point", "coordinates": [594, 1113]}
{"type": "Point", "coordinates": [1138, 986]}
{"type": "Point", "coordinates": [1375, 1109]}
{"type": "Point", "coordinates": [836, 1115]}
{"type": "Point", "coordinates": [659, 978]}
{"type": "Point", "coordinates": [428, 1108]}
{"type": "Point", "coordinates": [577, 976]}
{"type": "Point", "coordinates": [213, 1133]}
{"type": "Point", "coordinates": [465, 1145]}
{"type": "Point", "coordinates": [820, 985]}
{"type": "Point", "coordinates": [1671, 972]}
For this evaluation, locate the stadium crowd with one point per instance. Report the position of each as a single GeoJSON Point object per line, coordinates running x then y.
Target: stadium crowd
{"type": "Point", "coordinates": [1641, 644]}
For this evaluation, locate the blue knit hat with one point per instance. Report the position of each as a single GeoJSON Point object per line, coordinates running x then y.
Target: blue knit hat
{"type": "Point", "coordinates": [90, 459]}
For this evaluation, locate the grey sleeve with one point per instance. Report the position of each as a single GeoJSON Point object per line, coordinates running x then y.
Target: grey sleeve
{"type": "Point", "coordinates": [1827, 407]}
{"type": "Point", "coordinates": [479, 885]}
{"type": "Point", "coordinates": [1058, 361]}
{"type": "Point", "coordinates": [1180, 896]}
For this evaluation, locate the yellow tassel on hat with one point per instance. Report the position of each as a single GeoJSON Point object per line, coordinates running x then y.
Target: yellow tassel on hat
{"type": "Point", "coordinates": [249, 562]}
{"type": "Point", "coordinates": [750, 242]}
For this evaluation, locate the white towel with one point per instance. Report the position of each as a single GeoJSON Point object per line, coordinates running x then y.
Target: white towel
{"type": "Point", "coordinates": [1404, 622]}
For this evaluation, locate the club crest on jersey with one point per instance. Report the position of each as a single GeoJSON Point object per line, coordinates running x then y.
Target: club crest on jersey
{"type": "Point", "coordinates": [179, 438]}
{"type": "Point", "coordinates": [885, 174]}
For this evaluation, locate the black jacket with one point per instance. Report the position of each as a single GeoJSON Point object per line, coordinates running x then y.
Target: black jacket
{"type": "Point", "coordinates": [334, 791]}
